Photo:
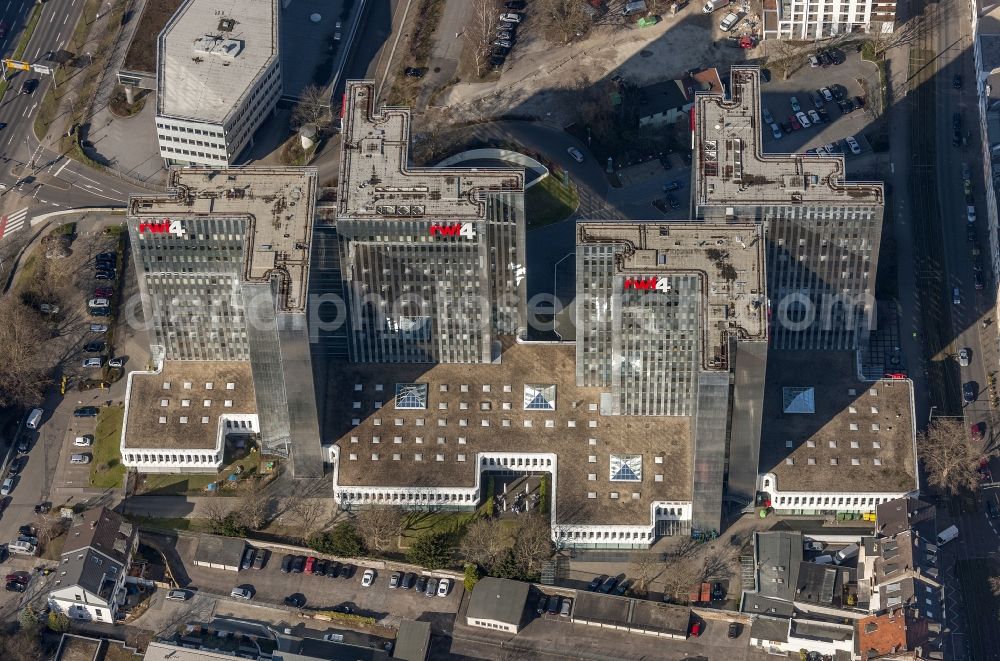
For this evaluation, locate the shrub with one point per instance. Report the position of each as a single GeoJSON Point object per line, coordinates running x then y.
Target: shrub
{"type": "Point", "coordinates": [472, 576]}
{"type": "Point", "coordinates": [432, 551]}
{"type": "Point", "coordinates": [343, 541]}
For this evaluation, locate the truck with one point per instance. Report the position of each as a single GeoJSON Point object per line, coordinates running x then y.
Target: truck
{"type": "Point", "coordinates": [712, 5]}
{"type": "Point", "coordinates": [948, 534]}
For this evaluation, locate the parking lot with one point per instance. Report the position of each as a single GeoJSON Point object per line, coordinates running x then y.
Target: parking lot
{"type": "Point", "coordinates": [271, 586]}
{"type": "Point", "coordinates": [805, 86]}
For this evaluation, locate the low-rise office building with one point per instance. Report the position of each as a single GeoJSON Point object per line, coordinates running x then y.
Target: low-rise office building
{"type": "Point", "coordinates": [218, 78]}
{"type": "Point", "coordinates": [498, 604]}
{"type": "Point", "coordinates": [831, 442]}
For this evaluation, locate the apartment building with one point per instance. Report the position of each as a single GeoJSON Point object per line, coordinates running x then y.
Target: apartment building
{"type": "Point", "coordinates": [821, 19]}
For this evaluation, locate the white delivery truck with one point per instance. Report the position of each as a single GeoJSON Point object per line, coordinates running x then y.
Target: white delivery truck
{"type": "Point", "coordinates": [712, 5]}
{"type": "Point", "coordinates": [948, 534]}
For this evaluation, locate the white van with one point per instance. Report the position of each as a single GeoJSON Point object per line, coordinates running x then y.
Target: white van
{"type": "Point", "coordinates": [24, 548]}
{"type": "Point", "coordinates": [947, 535]}
{"type": "Point", "coordinates": [845, 554]}
{"type": "Point", "coordinates": [34, 418]}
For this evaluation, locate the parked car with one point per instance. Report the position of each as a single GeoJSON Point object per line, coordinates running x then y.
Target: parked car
{"type": "Point", "coordinates": [795, 104]}
{"type": "Point", "coordinates": [734, 630]}
{"type": "Point", "coordinates": [729, 22]}
{"type": "Point", "coordinates": [432, 587]}
{"type": "Point", "coordinates": [242, 592]}
{"type": "Point", "coordinates": [510, 17]}
{"type": "Point", "coordinates": [297, 600]}
{"type": "Point", "coordinates": [14, 586]}
{"type": "Point", "coordinates": [622, 588]}
{"type": "Point", "coordinates": [178, 595]}
{"type": "Point", "coordinates": [319, 569]}
{"type": "Point", "coordinates": [394, 580]}
{"type": "Point", "coordinates": [540, 604]}
{"type": "Point", "coordinates": [298, 564]}
{"type": "Point", "coordinates": [286, 563]}
{"type": "Point", "coordinates": [979, 280]}
{"type": "Point", "coordinates": [444, 586]}
{"type": "Point", "coordinates": [859, 102]}
{"type": "Point", "coordinates": [105, 275]}
{"type": "Point", "coordinates": [803, 120]}
{"type": "Point", "coordinates": [310, 564]}
{"type": "Point", "coordinates": [104, 292]}
{"type": "Point", "coordinates": [421, 583]}
{"type": "Point", "coordinates": [956, 81]}
{"type": "Point", "coordinates": [575, 153]}
{"type": "Point", "coordinates": [814, 117]}
{"type": "Point", "coordinates": [117, 361]}
{"type": "Point", "coordinates": [827, 94]}
{"type": "Point", "coordinates": [48, 308]}
{"type": "Point", "coordinates": [505, 34]}
{"type": "Point", "coordinates": [347, 570]}
{"type": "Point", "coordinates": [696, 629]}
{"type": "Point", "coordinates": [259, 558]}
{"type": "Point", "coordinates": [503, 43]}
{"type": "Point", "coordinates": [813, 61]}
{"type": "Point", "coordinates": [969, 391]}
{"type": "Point", "coordinates": [333, 569]}
{"type": "Point", "coordinates": [85, 412]}
{"type": "Point", "coordinates": [93, 362]}
{"type": "Point", "coordinates": [414, 72]}
{"type": "Point", "coordinates": [776, 131]}
{"type": "Point", "coordinates": [17, 464]}
{"type": "Point", "coordinates": [817, 99]}
{"type": "Point", "coordinates": [84, 441]}
{"type": "Point", "coordinates": [609, 585]}
{"type": "Point", "coordinates": [553, 605]}
{"type": "Point", "coordinates": [98, 328]}
{"type": "Point", "coordinates": [768, 118]}
{"type": "Point", "coordinates": [786, 127]}
{"type": "Point", "coordinates": [963, 357]}
{"type": "Point", "coordinates": [94, 347]}
{"type": "Point", "coordinates": [409, 578]}
{"type": "Point", "coordinates": [596, 583]}
{"type": "Point", "coordinates": [956, 296]}
{"type": "Point", "coordinates": [853, 144]}
{"type": "Point", "coordinates": [672, 201]}
{"type": "Point", "coordinates": [794, 122]}
{"type": "Point", "coordinates": [567, 605]}
{"type": "Point", "coordinates": [672, 186]}
{"type": "Point", "coordinates": [368, 578]}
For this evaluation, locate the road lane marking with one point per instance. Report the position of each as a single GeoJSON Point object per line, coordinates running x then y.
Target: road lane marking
{"type": "Point", "coordinates": [53, 17]}
{"type": "Point", "coordinates": [8, 5]}
{"type": "Point", "coordinates": [65, 19]}
{"type": "Point", "coordinates": [62, 167]}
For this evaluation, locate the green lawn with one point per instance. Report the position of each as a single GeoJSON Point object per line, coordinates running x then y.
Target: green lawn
{"type": "Point", "coordinates": [164, 484]}
{"type": "Point", "coordinates": [549, 201]}
{"type": "Point", "coordinates": [106, 470]}
{"type": "Point", "coordinates": [175, 523]}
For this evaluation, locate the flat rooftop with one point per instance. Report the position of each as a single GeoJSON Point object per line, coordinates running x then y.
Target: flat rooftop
{"type": "Point", "coordinates": [728, 258]}
{"type": "Point", "coordinates": [824, 430]}
{"type": "Point", "coordinates": [472, 409]}
{"type": "Point", "coordinates": [376, 180]}
{"type": "Point", "coordinates": [141, 54]}
{"type": "Point", "coordinates": [211, 53]}
{"type": "Point", "coordinates": [279, 202]}
{"type": "Point", "coordinates": [181, 406]}
{"type": "Point", "coordinates": [78, 648]}
{"type": "Point", "coordinates": [731, 168]}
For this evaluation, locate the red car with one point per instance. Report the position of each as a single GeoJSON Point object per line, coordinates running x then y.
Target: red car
{"type": "Point", "coordinates": [695, 629]}
{"type": "Point", "coordinates": [977, 431]}
{"type": "Point", "coordinates": [104, 292]}
{"type": "Point", "coordinates": [19, 578]}
{"type": "Point", "coordinates": [310, 564]}
{"type": "Point", "coordinates": [794, 122]}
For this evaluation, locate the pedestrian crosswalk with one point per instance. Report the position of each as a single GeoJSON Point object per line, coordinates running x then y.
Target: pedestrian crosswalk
{"type": "Point", "coordinates": [13, 222]}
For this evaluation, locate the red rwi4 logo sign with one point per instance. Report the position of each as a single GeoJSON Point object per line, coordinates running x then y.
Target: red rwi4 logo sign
{"type": "Point", "coordinates": [652, 283]}
{"type": "Point", "coordinates": [453, 229]}
{"type": "Point", "coordinates": [163, 227]}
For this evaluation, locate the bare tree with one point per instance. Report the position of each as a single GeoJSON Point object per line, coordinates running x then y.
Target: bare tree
{"type": "Point", "coordinates": [484, 542]}
{"type": "Point", "coordinates": [950, 456]}
{"type": "Point", "coordinates": [481, 31]}
{"type": "Point", "coordinates": [215, 511]}
{"type": "Point", "coordinates": [995, 585]}
{"type": "Point", "coordinates": [644, 569]}
{"type": "Point", "coordinates": [22, 645]}
{"type": "Point", "coordinates": [26, 366]}
{"type": "Point", "coordinates": [255, 505]}
{"type": "Point", "coordinates": [308, 515]}
{"type": "Point", "coordinates": [313, 107]}
{"type": "Point", "coordinates": [380, 526]}
{"type": "Point", "coordinates": [561, 20]}
{"type": "Point", "coordinates": [50, 526]}
{"type": "Point", "coordinates": [532, 542]}
{"type": "Point", "coordinates": [679, 576]}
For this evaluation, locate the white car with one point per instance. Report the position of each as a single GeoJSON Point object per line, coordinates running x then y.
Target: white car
{"type": "Point", "coordinates": [98, 328]}
{"type": "Point", "coordinates": [853, 144]}
{"type": "Point", "coordinates": [729, 22]}
{"type": "Point", "coordinates": [443, 587]}
{"type": "Point", "coordinates": [510, 18]}
{"type": "Point", "coordinates": [98, 303]}
{"type": "Point", "coordinates": [803, 119]}
{"type": "Point", "coordinates": [956, 296]}
{"type": "Point", "coordinates": [241, 593]}
{"type": "Point", "coordinates": [93, 362]}
{"type": "Point", "coordinates": [776, 131]}
{"type": "Point", "coordinates": [827, 94]}
{"type": "Point", "coordinates": [576, 154]}
{"type": "Point", "coordinates": [795, 104]}
{"type": "Point", "coordinates": [814, 116]}
{"type": "Point", "coordinates": [83, 441]}
{"type": "Point", "coordinates": [963, 357]}
{"type": "Point", "coordinates": [368, 578]}
{"type": "Point", "coordinates": [116, 362]}
{"type": "Point", "coordinates": [48, 308]}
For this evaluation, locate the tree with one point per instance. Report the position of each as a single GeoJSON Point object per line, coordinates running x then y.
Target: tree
{"type": "Point", "coordinates": [532, 543]}
{"type": "Point", "coordinates": [484, 542]}
{"type": "Point", "coordinates": [480, 31]}
{"type": "Point", "coordinates": [379, 526]}
{"type": "Point", "coordinates": [313, 108]}
{"type": "Point", "coordinates": [950, 456]}
{"type": "Point", "coordinates": [58, 622]}
{"type": "Point", "coordinates": [26, 365]}
{"type": "Point", "coordinates": [432, 550]}
{"type": "Point", "coordinates": [995, 585]}
{"type": "Point", "coordinates": [216, 511]}
{"type": "Point", "coordinates": [27, 617]}
{"type": "Point", "coordinates": [232, 526]}
{"type": "Point", "coordinates": [644, 569]}
{"type": "Point", "coordinates": [255, 505]}
{"type": "Point", "coordinates": [561, 20]}
{"type": "Point", "coordinates": [679, 575]}
{"type": "Point", "coordinates": [343, 541]}
{"type": "Point", "coordinates": [471, 576]}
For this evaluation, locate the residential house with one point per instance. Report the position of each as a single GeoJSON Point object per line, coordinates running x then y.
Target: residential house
{"type": "Point", "coordinates": [668, 101]}
{"type": "Point", "coordinates": [90, 584]}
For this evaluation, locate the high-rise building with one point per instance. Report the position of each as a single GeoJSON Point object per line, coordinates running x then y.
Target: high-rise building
{"type": "Point", "coordinates": [223, 270]}
{"type": "Point", "coordinates": [218, 77]}
{"type": "Point", "coordinates": [671, 321]}
{"type": "Point", "coordinates": [822, 231]}
{"type": "Point", "coordinates": [432, 259]}
{"type": "Point", "coordinates": [818, 19]}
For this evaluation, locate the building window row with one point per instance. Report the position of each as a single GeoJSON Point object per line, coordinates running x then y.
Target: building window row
{"type": "Point", "coordinates": [857, 501]}
{"type": "Point", "coordinates": [154, 458]}
{"type": "Point", "coordinates": [605, 534]}
{"type": "Point", "coordinates": [188, 129]}
{"type": "Point", "coordinates": [397, 497]}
